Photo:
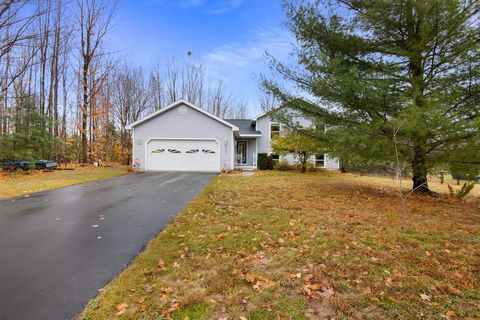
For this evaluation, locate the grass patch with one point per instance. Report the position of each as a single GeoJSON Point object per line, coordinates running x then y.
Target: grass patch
{"type": "Point", "coordinates": [433, 183]}
{"type": "Point", "coordinates": [282, 245]}
{"type": "Point", "coordinates": [23, 183]}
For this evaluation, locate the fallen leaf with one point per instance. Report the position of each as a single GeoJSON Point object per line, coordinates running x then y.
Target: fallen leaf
{"type": "Point", "coordinates": [121, 312]}
{"type": "Point", "coordinates": [176, 265]}
{"type": "Point", "coordinates": [450, 314]}
{"type": "Point", "coordinates": [122, 306]}
{"type": "Point", "coordinates": [161, 264]}
{"type": "Point", "coordinates": [327, 293]}
{"type": "Point", "coordinates": [367, 290]}
{"type": "Point", "coordinates": [453, 290]}
{"type": "Point", "coordinates": [295, 276]}
{"type": "Point", "coordinates": [425, 297]}
{"type": "Point", "coordinates": [388, 282]}
{"type": "Point", "coordinates": [175, 306]}
{"type": "Point", "coordinates": [142, 300]}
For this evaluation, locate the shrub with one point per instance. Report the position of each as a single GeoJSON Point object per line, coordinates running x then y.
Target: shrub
{"type": "Point", "coordinates": [264, 162]}
{"type": "Point", "coordinates": [284, 166]}
{"type": "Point", "coordinates": [463, 192]}
{"type": "Point", "coordinates": [459, 175]}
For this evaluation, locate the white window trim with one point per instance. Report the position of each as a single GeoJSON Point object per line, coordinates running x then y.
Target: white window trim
{"type": "Point", "coordinates": [324, 160]}
{"type": "Point", "coordinates": [270, 129]}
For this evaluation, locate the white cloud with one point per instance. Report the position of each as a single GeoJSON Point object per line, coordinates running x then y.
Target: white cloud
{"type": "Point", "coordinates": [225, 6]}
{"type": "Point", "coordinates": [208, 6]}
{"type": "Point", "coordinates": [239, 64]}
{"type": "Point", "coordinates": [251, 54]}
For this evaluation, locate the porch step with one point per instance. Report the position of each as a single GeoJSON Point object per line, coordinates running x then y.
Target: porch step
{"type": "Point", "coordinates": [246, 168]}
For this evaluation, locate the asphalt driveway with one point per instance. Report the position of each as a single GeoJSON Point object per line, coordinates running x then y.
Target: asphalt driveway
{"type": "Point", "coordinates": [57, 248]}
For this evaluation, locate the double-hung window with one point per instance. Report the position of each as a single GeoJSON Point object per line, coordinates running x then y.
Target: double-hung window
{"type": "Point", "coordinates": [274, 130]}
{"type": "Point", "coordinates": [320, 160]}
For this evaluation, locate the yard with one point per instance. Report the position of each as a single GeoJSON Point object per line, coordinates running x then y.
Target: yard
{"type": "Point", "coordinates": [24, 183]}
{"type": "Point", "coordinates": [281, 245]}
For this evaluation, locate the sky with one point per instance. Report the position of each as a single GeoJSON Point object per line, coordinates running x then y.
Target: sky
{"type": "Point", "coordinates": [228, 37]}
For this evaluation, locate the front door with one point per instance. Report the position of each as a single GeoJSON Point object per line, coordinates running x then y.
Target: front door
{"type": "Point", "coordinates": [241, 152]}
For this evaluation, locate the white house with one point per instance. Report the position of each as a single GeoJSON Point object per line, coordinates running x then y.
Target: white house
{"type": "Point", "coordinates": [184, 137]}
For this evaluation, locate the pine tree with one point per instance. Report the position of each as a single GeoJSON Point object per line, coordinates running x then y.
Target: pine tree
{"type": "Point", "coordinates": [369, 65]}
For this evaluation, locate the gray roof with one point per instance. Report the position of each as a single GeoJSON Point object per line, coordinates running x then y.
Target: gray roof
{"type": "Point", "coordinates": [246, 126]}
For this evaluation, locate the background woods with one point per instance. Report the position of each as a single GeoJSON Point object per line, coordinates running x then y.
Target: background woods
{"type": "Point", "coordinates": [65, 96]}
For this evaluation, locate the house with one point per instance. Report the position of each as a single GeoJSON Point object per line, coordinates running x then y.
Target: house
{"type": "Point", "coordinates": [184, 137]}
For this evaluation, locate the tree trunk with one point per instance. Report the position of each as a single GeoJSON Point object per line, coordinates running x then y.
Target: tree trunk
{"type": "Point", "coordinates": [304, 159]}
{"type": "Point", "coordinates": [419, 168]}
{"type": "Point", "coordinates": [84, 154]}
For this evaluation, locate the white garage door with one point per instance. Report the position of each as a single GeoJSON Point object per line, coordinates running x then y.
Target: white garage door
{"type": "Point", "coordinates": [183, 155]}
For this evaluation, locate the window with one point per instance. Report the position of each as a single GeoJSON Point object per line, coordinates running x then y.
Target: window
{"type": "Point", "coordinates": [174, 151]}
{"type": "Point", "coordinates": [208, 151]}
{"type": "Point", "coordinates": [275, 157]}
{"type": "Point", "coordinates": [158, 151]}
{"type": "Point", "coordinates": [320, 160]}
{"type": "Point", "coordinates": [192, 151]}
{"type": "Point", "coordinates": [274, 130]}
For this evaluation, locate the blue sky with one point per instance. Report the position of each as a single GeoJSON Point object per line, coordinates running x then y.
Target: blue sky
{"type": "Point", "coordinates": [229, 37]}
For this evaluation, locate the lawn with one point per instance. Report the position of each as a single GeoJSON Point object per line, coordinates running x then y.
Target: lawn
{"type": "Point", "coordinates": [282, 245]}
{"type": "Point", "coordinates": [22, 184]}
{"type": "Point", "coordinates": [433, 183]}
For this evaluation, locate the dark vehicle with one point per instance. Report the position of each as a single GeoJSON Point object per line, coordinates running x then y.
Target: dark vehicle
{"type": "Point", "coordinates": [46, 164]}
{"type": "Point", "coordinates": [16, 165]}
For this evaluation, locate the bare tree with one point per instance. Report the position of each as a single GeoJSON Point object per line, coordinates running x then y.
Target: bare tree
{"type": "Point", "coordinates": [16, 34]}
{"type": "Point", "coordinates": [189, 81]}
{"type": "Point", "coordinates": [131, 99]}
{"type": "Point", "coordinates": [156, 88]}
{"type": "Point", "coordinates": [94, 18]}
{"type": "Point", "coordinates": [268, 102]}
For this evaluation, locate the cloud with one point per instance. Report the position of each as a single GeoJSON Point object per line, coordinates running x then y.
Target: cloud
{"type": "Point", "coordinates": [225, 6]}
{"type": "Point", "coordinates": [209, 6]}
{"type": "Point", "coordinates": [239, 64]}
{"type": "Point", "coordinates": [250, 55]}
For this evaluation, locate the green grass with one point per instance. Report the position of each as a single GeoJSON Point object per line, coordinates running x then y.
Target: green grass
{"type": "Point", "coordinates": [21, 184]}
{"type": "Point", "coordinates": [271, 245]}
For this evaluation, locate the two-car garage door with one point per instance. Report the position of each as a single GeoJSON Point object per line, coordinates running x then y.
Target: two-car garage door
{"type": "Point", "coordinates": [183, 155]}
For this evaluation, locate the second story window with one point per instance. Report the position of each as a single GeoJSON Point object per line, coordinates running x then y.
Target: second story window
{"type": "Point", "coordinates": [274, 130]}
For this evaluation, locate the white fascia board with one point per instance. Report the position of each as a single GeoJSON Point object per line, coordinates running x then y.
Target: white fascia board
{"type": "Point", "coordinates": [249, 135]}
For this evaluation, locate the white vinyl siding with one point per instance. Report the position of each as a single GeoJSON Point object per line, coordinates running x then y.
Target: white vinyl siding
{"type": "Point", "coordinates": [193, 124]}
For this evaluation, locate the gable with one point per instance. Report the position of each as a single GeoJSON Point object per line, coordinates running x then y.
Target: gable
{"type": "Point", "coordinates": [183, 108]}
{"type": "Point", "coordinates": [296, 118]}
